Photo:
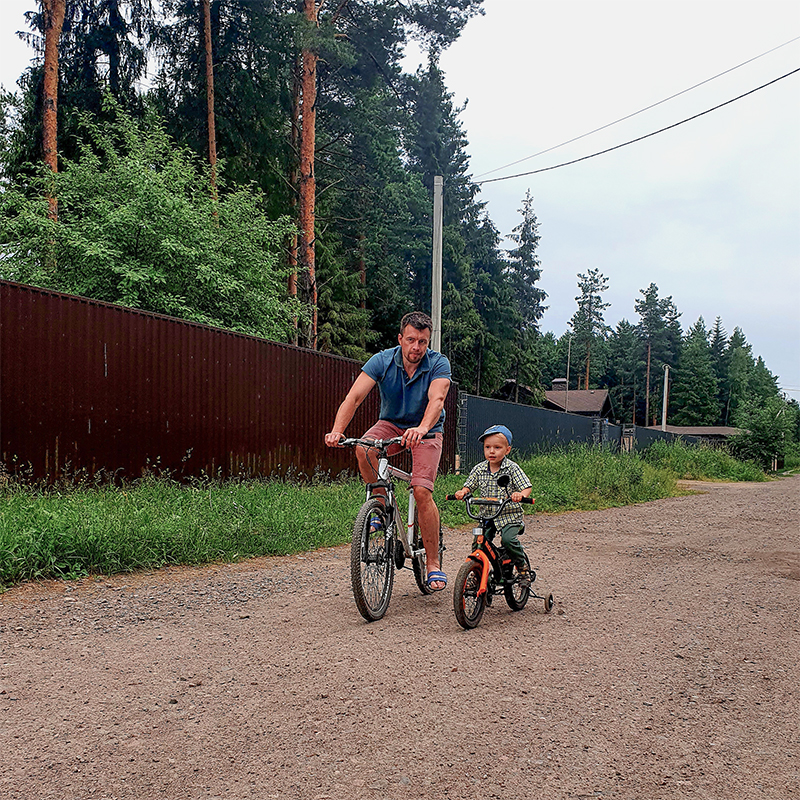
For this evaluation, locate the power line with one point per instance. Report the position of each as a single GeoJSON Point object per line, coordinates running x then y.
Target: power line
{"type": "Point", "coordinates": [640, 138]}
{"type": "Point", "coordinates": [640, 111]}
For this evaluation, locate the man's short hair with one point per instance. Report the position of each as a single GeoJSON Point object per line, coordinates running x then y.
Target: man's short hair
{"type": "Point", "coordinates": [418, 320]}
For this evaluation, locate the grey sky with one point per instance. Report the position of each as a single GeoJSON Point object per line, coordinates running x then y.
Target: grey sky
{"type": "Point", "coordinates": [710, 211]}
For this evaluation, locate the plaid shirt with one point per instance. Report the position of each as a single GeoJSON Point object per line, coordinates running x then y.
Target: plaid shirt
{"type": "Point", "coordinates": [483, 483]}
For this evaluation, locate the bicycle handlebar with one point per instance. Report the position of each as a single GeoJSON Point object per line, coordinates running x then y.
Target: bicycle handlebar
{"type": "Point", "coordinates": [378, 444]}
{"type": "Point", "coordinates": [491, 502]}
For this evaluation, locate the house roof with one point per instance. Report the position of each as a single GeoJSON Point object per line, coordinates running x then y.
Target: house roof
{"type": "Point", "coordinates": [579, 401]}
{"type": "Point", "coordinates": [698, 430]}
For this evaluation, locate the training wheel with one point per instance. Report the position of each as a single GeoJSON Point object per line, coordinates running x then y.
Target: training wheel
{"type": "Point", "coordinates": [548, 602]}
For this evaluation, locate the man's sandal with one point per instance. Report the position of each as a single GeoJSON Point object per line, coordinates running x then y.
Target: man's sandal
{"type": "Point", "coordinates": [436, 576]}
{"type": "Point", "coordinates": [375, 523]}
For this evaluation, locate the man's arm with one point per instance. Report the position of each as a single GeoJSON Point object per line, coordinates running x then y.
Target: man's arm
{"type": "Point", "coordinates": [361, 387]}
{"type": "Point", "coordinates": [437, 392]}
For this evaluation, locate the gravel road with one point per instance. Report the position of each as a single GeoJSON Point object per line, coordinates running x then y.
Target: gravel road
{"type": "Point", "coordinates": [667, 669]}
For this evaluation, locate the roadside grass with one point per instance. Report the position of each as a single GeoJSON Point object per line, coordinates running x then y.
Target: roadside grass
{"type": "Point", "coordinates": [70, 531]}
{"type": "Point", "coordinates": [74, 531]}
{"type": "Point", "coordinates": [701, 463]}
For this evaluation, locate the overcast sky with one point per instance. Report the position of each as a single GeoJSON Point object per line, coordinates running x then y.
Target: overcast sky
{"type": "Point", "coordinates": [708, 211]}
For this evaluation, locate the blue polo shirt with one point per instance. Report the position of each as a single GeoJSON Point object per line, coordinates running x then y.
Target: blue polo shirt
{"type": "Point", "coordinates": [404, 399]}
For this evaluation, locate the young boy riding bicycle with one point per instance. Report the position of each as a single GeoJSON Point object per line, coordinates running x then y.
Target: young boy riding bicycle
{"type": "Point", "coordinates": [483, 482]}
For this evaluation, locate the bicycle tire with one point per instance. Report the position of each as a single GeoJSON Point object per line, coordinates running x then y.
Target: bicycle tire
{"type": "Point", "coordinates": [371, 563]}
{"type": "Point", "coordinates": [516, 595]}
{"type": "Point", "coordinates": [467, 604]}
{"type": "Point", "coordinates": [419, 562]}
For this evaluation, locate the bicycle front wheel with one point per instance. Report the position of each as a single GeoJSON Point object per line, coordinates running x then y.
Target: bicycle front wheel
{"type": "Point", "coordinates": [467, 603]}
{"type": "Point", "coordinates": [371, 567]}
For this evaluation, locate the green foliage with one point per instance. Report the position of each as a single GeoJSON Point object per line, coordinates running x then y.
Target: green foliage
{"type": "Point", "coordinates": [792, 457]}
{"type": "Point", "coordinates": [587, 323]}
{"type": "Point", "coordinates": [767, 428]}
{"type": "Point", "coordinates": [625, 365]}
{"type": "Point", "coordinates": [694, 394]}
{"type": "Point", "coordinates": [137, 225]}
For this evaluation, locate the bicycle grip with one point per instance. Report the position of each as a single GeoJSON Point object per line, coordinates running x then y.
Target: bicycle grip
{"type": "Point", "coordinates": [450, 497]}
{"type": "Point", "coordinates": [528, 500]}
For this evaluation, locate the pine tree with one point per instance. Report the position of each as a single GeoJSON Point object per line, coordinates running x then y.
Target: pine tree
{"type": "Point", "coordinates": [660, 331]}
{"type": "Point", "coordinates": [740, 364]}
{"type": "Point", "coordinates": [693, 399]}
{"type": "Point", "coordinates": [587, 323]}
{"type": "Point", "coordinates": [625, 364]}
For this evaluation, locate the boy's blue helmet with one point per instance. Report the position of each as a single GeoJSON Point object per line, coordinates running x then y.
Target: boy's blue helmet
{"type": "Point", "coordinates": [496, 429]}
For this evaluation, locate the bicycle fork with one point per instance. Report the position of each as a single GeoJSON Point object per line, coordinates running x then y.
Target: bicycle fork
{"type": "Point", "coordinates": [408, 544]}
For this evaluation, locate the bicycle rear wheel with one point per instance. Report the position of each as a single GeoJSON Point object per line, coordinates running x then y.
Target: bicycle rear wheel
{"type": "Point", "coordinates": [371, 567]}
{"type": "Point", "coordinates": [467, 604]}
{"type": "Point", "coordinates": [419, 562]}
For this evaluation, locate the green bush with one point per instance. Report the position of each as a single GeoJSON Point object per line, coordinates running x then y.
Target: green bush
{"type": "Point", "coordinates": [138, 225]}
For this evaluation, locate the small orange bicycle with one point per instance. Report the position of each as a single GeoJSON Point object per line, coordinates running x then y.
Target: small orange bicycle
{"type": "Point", "coordinates": [488, 569]}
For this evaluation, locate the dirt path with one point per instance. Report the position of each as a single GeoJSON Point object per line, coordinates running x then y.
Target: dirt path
{"type": "Point", "coordinates": [668, 669]}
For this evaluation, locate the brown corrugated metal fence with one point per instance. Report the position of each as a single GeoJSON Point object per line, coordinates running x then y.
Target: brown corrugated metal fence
{"type": "Point", "coordinates": [89, 386]}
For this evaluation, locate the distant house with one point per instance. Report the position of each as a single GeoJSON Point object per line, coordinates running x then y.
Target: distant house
{"type": "Point", "coordinates": [711, 433]}
{"type": "Point", "coordinates": [514, 392]}
{"type": "Point", "coordinates": [586, 402]}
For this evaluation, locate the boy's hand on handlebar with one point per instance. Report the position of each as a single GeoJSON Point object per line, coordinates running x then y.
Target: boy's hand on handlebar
{"type": "Point", "coordinates": [461, 494]}
{"type": "Point", "coordinates": [516, 497]}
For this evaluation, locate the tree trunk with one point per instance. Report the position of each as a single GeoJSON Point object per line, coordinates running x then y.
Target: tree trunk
{"type": "Point", "coordinates": [53, 22]}
{"type": "Point", "coordinates": [647, 389]}
{"type": "Point", "coordinates": [212, 131]}
{"type": "Point", "coordinates": [479, 367]}
{"type": "Point", "coordinates": [294, 182]}
{"type": "Point", "coordinates": [307, 182]}
{"type": "Point", "coordinates": [588, 359]}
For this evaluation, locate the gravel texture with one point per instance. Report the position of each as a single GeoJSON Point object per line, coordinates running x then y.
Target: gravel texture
{"type": "Point", "coordinates": [667, 669]}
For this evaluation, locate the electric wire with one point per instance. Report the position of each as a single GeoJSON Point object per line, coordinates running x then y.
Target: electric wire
{"type": "Point", "coordinates": [639, 138]}
{"type": "Point", "coordinates": [640, 111]}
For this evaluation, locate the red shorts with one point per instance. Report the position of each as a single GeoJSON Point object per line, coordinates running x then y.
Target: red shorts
{"type": "Point", "coordinates": [425, 456]}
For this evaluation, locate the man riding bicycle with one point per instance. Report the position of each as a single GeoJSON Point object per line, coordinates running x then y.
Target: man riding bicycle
{"type": "Point", "coordinates": [413, 383]}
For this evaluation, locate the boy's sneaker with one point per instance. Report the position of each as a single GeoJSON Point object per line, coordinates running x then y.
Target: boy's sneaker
{"type": "Point", "coordinates": [524, 575]}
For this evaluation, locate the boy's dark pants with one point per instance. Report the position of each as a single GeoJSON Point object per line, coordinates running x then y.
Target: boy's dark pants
{"type": "Point", "coordinates": [509, 535]}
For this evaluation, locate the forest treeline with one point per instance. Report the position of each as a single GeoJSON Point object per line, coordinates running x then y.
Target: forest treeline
{"type": "Point", "coordinates": [267, 166]}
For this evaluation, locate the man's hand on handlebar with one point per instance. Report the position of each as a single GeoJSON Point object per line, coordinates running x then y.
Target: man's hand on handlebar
{"type": "Point", "coordinates": [334, 439]}
{"type": "Point", "coordinates": [413, 436]}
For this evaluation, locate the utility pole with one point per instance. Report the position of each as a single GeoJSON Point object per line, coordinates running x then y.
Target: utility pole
{"type": "Point", "coordinates": [569, 353]}
{"type": "Point", "coordinates": [664, 401]}
{"type": "Point", "coordinates": [436, 277]}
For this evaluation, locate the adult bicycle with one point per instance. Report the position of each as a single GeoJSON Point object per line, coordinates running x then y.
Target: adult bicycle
{"type": "Point", "coordinates": [382, 540]}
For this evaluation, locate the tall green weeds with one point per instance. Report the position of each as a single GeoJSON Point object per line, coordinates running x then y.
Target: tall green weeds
{"type": "Point", "coordinates": [701, 463]}
{"type": "Point", "coordinates": [69, 533]}
{"type": "Point", "coordinates": [72, 531]}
